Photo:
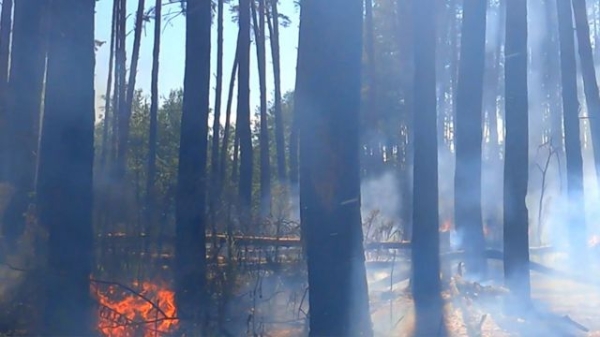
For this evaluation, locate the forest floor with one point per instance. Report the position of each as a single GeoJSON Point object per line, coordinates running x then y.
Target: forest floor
{"type": "Point", "coordinates": [561, 308]}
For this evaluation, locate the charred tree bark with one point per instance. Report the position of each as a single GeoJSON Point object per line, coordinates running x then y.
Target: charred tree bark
{"type": "Point", "coordinates": [571, 108]}
{"type": "Point", "coordinates": [65, 171]}
{"type": "Point", "coordinates": [516, 163]}
{"type": "Point", "coordinates": [328, 101]}
{"type": "Point", "coordinates": [469, 135]}
{"type": "Point", "coordinates": [190, 250]}
{"type": "Point", "coordinates": [153, 133]}
{"type": "Point", "coordinates": [5, 33]}
{"type": "Point", "coordinates": [27, 67]}
{"type": "Point", "coordinates": [590, 83]}
{"type": "Point", "coordinates": [273, 24]}
{"type": "Point", "coordinates": [265, 165]}
{"type": "Point", "coordinates": [425, 256]}
{"type": "Point", "coordinates": [243, 112]}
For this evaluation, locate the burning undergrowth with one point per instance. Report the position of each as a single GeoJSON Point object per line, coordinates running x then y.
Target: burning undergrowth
{"type": "Point", "coordinates": [148, 309]}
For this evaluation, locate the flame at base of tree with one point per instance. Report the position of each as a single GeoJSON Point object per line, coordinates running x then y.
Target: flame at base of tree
{"type": "Point", "coordinates": [150, 312]}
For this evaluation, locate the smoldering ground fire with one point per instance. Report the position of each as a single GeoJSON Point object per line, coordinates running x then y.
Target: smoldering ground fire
{"type": "Point", "coordinates": [149, 311]}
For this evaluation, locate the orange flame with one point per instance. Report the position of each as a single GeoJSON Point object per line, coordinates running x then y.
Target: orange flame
{"type": "Point", "coordinates": [446, 226]}
{"type": "Point", "coordinates": [149, 313]}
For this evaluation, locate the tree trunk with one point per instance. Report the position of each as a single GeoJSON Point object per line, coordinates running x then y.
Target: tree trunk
{"type": "Point", "coordinates": [371, 133]}
{"type": "Point", "coordinates": [328, 103]}
{"type": "Point", "coordinates": [190, 275]}
{"type": "Point", "coordinates": [66, 164]}
{"type": "Point", "coordinates": [227, 127]}
{"type": "Point", "coordinates": [27, 67]}
{"type": "Point", "coordinates": [153, 133]}
{"type": "Point", "coordinates": [120, 85]}
{"type": "Point", "coordinates": [468, 136]}
{"type": "Point", "coordinates": [516, 163]}
{"type": "Point", "coordinates": [5, 32]}
{"type": "Point", "coordinates": [405, 146]}
{"type": "Point", "coordinates": [215, 158]}
{"type": "Point", "coordinates": [109, 82]}
{"type": "Point", "coordinates": [277, 109]}
{"type": "Point", "coordinates": [590, 84]}
{"type": "Point", "coordinates": [265, 165]}
{"type": "Point", "coordinates": [243, 112]}
{"type": "Point", "coordinates": [297, 114]}
{"type": "Point", "coordinates": [425, 237]}
{"type": "Point", "coordinates": [568, 70]}
{"type": "Point", "coordinates": [126, 113]}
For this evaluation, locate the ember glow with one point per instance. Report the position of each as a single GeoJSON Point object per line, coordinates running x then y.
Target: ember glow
{"type": "Point", "coordinates": [149, 313]}
{"type": "Point", "coordinates": [446, 226]}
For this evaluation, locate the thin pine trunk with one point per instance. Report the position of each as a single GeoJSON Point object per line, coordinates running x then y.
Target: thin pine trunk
{"type": "Point", "coordinates": [273, 25]}
{"type": "Point", "coordinates": [227, 127]}
{"type": "Point", "coordinates": [265, 165]}
{"type": "Point", "coordinates": [124, 122]}
{"type": "Point", "coordinates": [109, 82]}
{"type": "Point", "coordinates": [571, 107]}
{"type": "Point", "coordinates": [243, 112]}
{"type": "Point", "coordinates": [5, 32]}
{"type": "Point", "coordinates": [153, 132]}
{"type": "Point", "coordinates": [215, 158]}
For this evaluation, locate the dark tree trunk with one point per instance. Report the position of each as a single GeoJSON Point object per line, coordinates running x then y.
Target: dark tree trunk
{"type": "Point", "coordinates": [568, 70]}
{"type": "Point", "coordinates": [65, 171]}
{"type": "Point", "coordinates": [371, 133]}
{"type": "Point", "coordinates": [425, 237]}
{"type": "Point", "coordinates": [516, 163]}
{"type": "Point", "coordinates": [277, 109]}
{"type": "Point", "coordinates": [328, 101]}
{"type": "Point", "coordinates": [468, 136]}
{"type": "Point", "coordinates": [297, 115]}
{"type": "Point", "coordinates": [27, 67]}
{"type": "Point", "coordinates": [129, 96]}
{"type": "Point", "coordinates": [153, 133]}
{"type": "Point", "coordinates": [405, 147]}
{"type": "Point", "coordinates": [215, 158]}
{"type": "Point", "coordinates": [294, 147]}
{"type": "Point", "coordinates": [227, 127]}
{"type": "Point", "coordinates": [590, 83]}
{"type": "Point", "coordinates": [243, 112]}
{"type": "Point", "coordinates": [109, 82]}
{"type": "Point", "coordinates": [190, 275]}
{"type": "Point", "coordinates": [265, 165]}
{"type": "Point", "coordinates": [552, 79]}
{"type": "Point", "coordinates": [120, 84]}
{"type": "Point", "coordinates": [5, 32]}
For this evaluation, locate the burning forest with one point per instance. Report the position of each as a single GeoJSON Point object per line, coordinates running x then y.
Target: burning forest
{"type": "Point", "coordinates": [149, 312]}
{"type": "Point", "coordinates": [299, 168]}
